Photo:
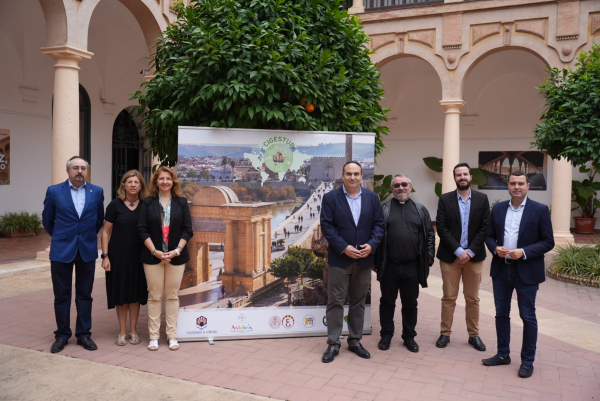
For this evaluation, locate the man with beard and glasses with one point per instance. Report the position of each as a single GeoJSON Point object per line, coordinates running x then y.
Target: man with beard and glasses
{"type": "Point", "coordinates": [462, 219]}
{"type": "Point", "coordinates": [402, 261]}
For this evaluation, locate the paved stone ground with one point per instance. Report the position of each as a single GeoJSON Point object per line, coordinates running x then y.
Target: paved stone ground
{"type": "Point", "coordinates": [567, 365]}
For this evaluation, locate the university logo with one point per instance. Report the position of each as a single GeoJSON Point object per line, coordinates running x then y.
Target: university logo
{"type": "Point", "coordinates": [309, 321]}
{"type": "Point", "coordinates": [287, 321]}
{"type": "Point", "coordinates": [242, 317]}
{"type": "Point", "coordinates": [202, 322]}
{"type": "Point", "coordinates": [325, 320]}
{"type": "Point", "coordinates": [275, 322]}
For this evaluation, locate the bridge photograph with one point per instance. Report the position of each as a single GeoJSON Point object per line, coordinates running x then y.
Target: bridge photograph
{"type": "Point", "coordinates": [500, 165]}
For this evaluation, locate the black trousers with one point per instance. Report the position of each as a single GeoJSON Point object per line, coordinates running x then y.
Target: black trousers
{"type": "Point", "coordinates": [402, 278]}
{"type": "Point", "coordinates": [62, 283]}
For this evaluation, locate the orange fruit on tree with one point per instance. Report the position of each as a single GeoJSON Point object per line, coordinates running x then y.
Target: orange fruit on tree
{"type": "Point", "coordinates": [283, 96]}
{"type": "Point", "coordinates": [310, 108]}
{"type": "Point", "coordinates": [303, 101]}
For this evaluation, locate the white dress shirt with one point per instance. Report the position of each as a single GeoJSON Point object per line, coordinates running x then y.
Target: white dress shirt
{"type": "Point", "coordinates": [511, 226]}
{"type": "Point", "coordinates": [355, 204]}
{"type": "Point", "coordinates": [78, 196]}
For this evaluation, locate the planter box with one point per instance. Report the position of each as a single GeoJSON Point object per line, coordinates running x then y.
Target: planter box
{"type": "Point", "coordinates": [21, 233]}
{"type": "Point", "coordinates": [584, 225]}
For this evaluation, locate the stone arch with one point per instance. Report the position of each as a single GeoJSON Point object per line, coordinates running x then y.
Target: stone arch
{"type": "Point", "coordinates": [547, 54]}
{"type": "Point", "coordinates": [55, 17]}
{"type": "Point", "coordinates": [390, 53]}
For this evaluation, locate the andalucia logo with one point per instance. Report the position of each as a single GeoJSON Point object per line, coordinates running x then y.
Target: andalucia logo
{"type": "Point", "coordinates": [278, 154]}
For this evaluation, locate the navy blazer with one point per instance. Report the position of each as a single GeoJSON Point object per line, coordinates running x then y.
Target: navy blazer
{"type": "Point", "coordinates": [337, 225]}
{"type": "Point", "coordinates": [71, 233]}
{"type": "Point", "coordinates": [535, 238]}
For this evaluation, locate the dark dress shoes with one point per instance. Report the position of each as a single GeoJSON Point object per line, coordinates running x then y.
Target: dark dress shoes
{"type": "Point", "coordinates": [359, 350]}
{"type": "Point", "coordinates": [59, 345]}
{"type": "Point", "coordinates": [331, 353]}
{"type": "Point", "coordinates": [384, 343]}
{"type": "Point", "coordinates": [477, 343]}
{"type": "Point", "coordinates": [87, 343]}
{"type": "Point", "coordinates": [411, 345]}
{"type": "Point", "coordinates": [496, 360]}
{"type": "Point", "coordinates": [442, 341]}
{"type": "Point", "coordinates": [525, 370]}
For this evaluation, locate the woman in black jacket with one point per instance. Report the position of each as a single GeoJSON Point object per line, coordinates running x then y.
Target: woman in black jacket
{"type": "Point", "coordinates": [165, 227]}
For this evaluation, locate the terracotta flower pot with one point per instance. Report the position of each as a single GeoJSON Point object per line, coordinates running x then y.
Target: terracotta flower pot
{"type": "Point", "coordinates": [584, 225]}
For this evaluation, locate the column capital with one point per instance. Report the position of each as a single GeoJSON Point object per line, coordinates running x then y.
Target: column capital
{"type": "Point", "coordinates": [452, 105]}
{"type": "Point", "coordinates": [66, 51]}
{"type": "Point", "coordinates": [357, 7]}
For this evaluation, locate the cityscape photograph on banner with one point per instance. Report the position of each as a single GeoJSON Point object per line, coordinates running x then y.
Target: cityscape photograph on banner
{"type": "Point", "coordinates": [4, 157]}
{"type": "Point", "coordinates": [258, 263]}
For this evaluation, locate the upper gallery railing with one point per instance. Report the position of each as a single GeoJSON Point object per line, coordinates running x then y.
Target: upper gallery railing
{"type": "Point", "coordinates": [372, 5]}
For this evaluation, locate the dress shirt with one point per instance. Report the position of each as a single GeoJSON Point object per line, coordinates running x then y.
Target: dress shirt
{"type": "Point", "coordinates": [511, 226]}
{"type": "Point", "coordinates": [78, 196]}
{"type": "Point", "coordinates": [465, 210]}
{"type": "Point", "coordinates": [355, 203]}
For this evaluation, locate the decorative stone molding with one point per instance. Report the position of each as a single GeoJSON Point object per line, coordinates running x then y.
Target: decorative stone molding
{"type": "Point", "coordinates": [451, 58]}
{"type": "Point", "coordinates": [68, 52]}
{"type": "Point", "coordinates": [149, 77]}
{"type": "Point", "coordinates": [29, 95]}
{"type": "Point", "coordinates": [566, 50]}
{"type": "Point", "coordinates": [479, 33]}
{"type": "Point", "coordinates": [109, 108]}
{"type": "Point", "coordinates": [382, 40]}
{"type": "Point", "coordinates": [423, 37]}
{"type": "Point", "coordinates": [451, 47]}
{"type": "Point", "coordinates": [452, 31]}
{"type": "Point", "coordinates": [469, 120]}
{"type": "Point", "coordinates": [507, 28]}
{"type": "Point", "coordinates": [401, 41]}
{"type": "Point", "coordinates": [595, 23]}
{"type": "Point", "coordinates": [535, 28]}
{"type": "Point", "coordinates": [567, 37]}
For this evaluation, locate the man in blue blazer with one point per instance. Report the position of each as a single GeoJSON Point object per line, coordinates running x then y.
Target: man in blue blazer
{"type": "Point", "coordinates": [73, 214]}
{"type": "Point", "coordinates": [519, 234]}
{"type": "Point", "coordinates": [352, 222]}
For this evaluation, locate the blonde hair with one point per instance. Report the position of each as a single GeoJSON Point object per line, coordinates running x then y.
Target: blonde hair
{"type": "Point", "coordinates": [175, 190]}
{"type": "Point", "coordinates": [122, 195]}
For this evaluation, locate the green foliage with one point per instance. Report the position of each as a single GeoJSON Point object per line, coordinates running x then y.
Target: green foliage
{"type": "Point", "coordinates": [315, 270]}
{"type": "Point", "coordinates": [582, 261]}
{"type": "Point", "coordinates": [28, 222]}
{"type": "Point", "coordinates": [247, 192]}
{"type": "Point", "coordinates": [248, 63]}
{"type": "Point", "coordinates": [436, 164]}
{"type": "Point", "coordinates": [286, 267]}
{"type": "Point", "coordinates": [583, 193]}
{"type": "Point", "coordinates": [569, 127]}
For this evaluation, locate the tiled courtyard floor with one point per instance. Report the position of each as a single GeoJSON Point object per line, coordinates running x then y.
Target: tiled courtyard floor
{"type": "Point", "coordinates": [566, 367]}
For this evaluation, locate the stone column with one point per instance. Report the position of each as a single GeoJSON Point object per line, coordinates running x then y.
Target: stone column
{"type": "Point", "coordinates": [357, 7]}
{"type": "Point", "coordinates": [65, 115]}
{"type": "Point", "coordinates": [229, 246]}
{"type": "Point", "coordinates": [266, 244]}
{"type": "Point", "coordinates": [562, 174]}
{"type": "Point", "coordinates": [451, 154]}
{"type": "Point", "coordinates": [206, 272]}
{"type": "Point", "coordinates": [257, 249]}
{"type": "Point", "coordinates": [268, 260]}
{"type": "Point", "coordinates": [249, 249]}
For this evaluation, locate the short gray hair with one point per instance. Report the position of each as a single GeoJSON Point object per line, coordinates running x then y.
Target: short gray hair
{"type": "Point", "coordinates": [403, 176]}
{"type": "Point", "coordinates": [76, 157]}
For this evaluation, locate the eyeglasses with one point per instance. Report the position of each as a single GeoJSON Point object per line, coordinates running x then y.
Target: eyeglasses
{"type": "Point", "coordinates": [401, 184]}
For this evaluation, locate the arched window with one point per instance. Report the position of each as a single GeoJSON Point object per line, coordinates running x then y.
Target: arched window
{"type": "Point", "coordinates": [85, 124]}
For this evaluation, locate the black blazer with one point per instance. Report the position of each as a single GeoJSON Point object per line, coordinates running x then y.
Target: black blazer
{"type": "Point", "coordinates": [449, 225]}
{"type": "Point", "coordinates": [535, 238]}
{"type": "Point", "coordinates": [150, 226]}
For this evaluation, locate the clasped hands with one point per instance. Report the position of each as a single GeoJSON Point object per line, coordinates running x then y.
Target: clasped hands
{"type": "Point", "coordinates": [358, 254]}
{"type": "Point", "coordinates": [513, 253]}
{"type": "Point", "coordinates": [166, 255]}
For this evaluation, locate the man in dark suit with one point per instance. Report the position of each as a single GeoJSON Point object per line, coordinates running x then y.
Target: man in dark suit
{"type": "Point", "coordinates": [519, 234]}
{"type": "Point", "coordinates": [352, 222]}
{"type": "Point", "coordinates": [462, 219]}
{"type": "Point", "coordinates": [73, 214]}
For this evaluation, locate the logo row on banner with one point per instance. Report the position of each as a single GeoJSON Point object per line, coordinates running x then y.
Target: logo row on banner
{"type": "Point", "coordinates": [241, 323]}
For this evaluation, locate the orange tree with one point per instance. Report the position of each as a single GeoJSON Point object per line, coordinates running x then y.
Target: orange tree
{"type": "Point", "coordinates": [248, 64]}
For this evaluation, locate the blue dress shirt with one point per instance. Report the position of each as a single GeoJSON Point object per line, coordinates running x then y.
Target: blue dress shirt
{"type": "Point", "coordinates": [354, 203]}
{"type": "Point", "coordinates": [78, 196]}
{"type": "Point", "coordinates": [465, 210]}
{"type": "Point", "coordinates": [511, 226]}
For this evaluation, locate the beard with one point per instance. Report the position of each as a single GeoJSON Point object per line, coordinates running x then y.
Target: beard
{"type": "Point", "coordinates": [402, 195]}
{"type": "Point", "coordinates": [463, 185]}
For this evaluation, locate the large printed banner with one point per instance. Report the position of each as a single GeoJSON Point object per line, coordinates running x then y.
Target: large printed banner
{"type": "Point", "coordinates": [4, 157]}
{"type": "Point", "coordinates": [252, 322]}
{"type": "Point", "coordinates": [255, 198]}
{"type": "Point", "coordinates": [500, 164]}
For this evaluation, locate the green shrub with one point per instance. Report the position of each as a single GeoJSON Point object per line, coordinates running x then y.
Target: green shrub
{"type": "Point", "coordinates": [582, 261]}
{"type": "Point", "coordinates": [28, 222]}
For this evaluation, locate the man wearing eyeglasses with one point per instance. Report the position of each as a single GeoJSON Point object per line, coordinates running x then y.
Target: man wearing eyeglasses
{"type": "Point", "coordinates": [73, 214]}
{"type": "Point", "coordinates": [402, 261]}
{"type": "Point", "coordinates": [462, 219]}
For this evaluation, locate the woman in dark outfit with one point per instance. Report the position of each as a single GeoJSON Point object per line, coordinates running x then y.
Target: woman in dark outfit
{"type": "Point", "coordinates": [126, 286]}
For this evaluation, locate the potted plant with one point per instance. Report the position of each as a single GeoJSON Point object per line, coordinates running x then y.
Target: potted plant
{"type": "Point", "coordinates": [583, 193]}
{"type": "Point", "coordinates": [22, 224]}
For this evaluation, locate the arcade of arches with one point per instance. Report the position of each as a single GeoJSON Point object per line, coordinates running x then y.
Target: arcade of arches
{"type": "Point", "coordinates": [459, 76]}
